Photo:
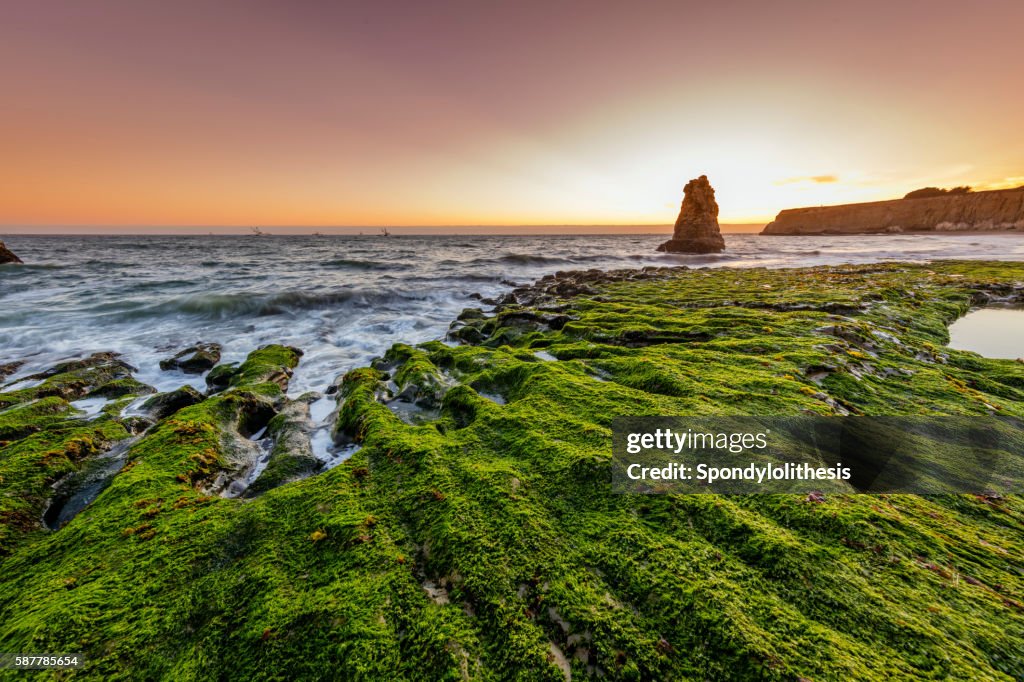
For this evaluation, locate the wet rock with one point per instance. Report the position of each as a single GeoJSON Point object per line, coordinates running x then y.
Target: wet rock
{"type": "Point", "coordinates": [100, 359]}
{"type": "Point", "coordinates": [7, 256]}
{"type": "Point", "coordinates": [194, 359]}
{"type": "Point", "coordinates": [9, 368]}
{"type": "Point", "coordinates": [100, 374]}
{"type": "Point", "coordinates": [165, 404]}
{"type": "Point", "coordinates": [529, 319]}
{"type": "Point", "coordinates": [291, 455]}
{"type": "Point", "coordinates": [465, 334]}
{"type": "Point", "coordinates": [470, 314]}
{"type": "Point", "coordinates": [220, 377]}
{"type": "Point", "coordinates": [696, 229]}
{"type": "Point", "coordinates": [269, 364]}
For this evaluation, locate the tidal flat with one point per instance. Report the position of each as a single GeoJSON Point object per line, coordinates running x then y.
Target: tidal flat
{"type": "Point", "coordinates": [470, 531]}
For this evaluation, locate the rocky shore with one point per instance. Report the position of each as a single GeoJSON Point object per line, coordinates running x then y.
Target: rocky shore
{"type": "Point", "coordinates": [473, 533]}
{"type": "Point", "coordinates": [994, 211]}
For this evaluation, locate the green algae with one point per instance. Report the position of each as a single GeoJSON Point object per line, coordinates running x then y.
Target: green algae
{"type": "Point", "coordinates": [43, 438]}
{"type": "Point", "coordinates": [485, 544]}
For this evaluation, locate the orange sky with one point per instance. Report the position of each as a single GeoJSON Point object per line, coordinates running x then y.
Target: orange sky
{"type": "Point", "coordinates": [467, 113]}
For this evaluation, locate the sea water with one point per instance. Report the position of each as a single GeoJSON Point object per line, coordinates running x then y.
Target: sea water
{"type": "Point", "coordinates": [341, 299]}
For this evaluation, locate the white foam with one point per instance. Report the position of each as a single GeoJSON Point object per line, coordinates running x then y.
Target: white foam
{"type": "Point", "coordinates": [91, 406]}
{"type": "Point", "coordinates": [320, 410]}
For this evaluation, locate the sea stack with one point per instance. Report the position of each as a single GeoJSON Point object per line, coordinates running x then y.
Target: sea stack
{"type": "Point", "coordinates": [697, 225]}
{"type": "Point", "coordinates": [7, 256]}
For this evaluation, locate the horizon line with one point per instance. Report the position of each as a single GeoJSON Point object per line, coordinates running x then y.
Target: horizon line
{"type": "Point", "coordinates": [356, 230]}
{"type": "Point", "coordinates": [353, 226]}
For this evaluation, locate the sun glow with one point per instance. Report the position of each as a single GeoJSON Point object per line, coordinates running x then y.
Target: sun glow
{"type": "Point", "coordinates": [112, 125]}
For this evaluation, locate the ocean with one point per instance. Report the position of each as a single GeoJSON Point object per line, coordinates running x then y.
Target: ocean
{"type": "Point", "coordinates": [342, 299]}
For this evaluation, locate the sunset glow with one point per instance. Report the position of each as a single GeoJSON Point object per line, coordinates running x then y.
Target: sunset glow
{"type": "Point", "coordinates": [145, 113]}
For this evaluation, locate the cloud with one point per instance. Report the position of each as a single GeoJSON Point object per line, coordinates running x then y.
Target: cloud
{"type": "Point", "coordinates": [1006, 183]}
{"type": "Point", "coordinates": [816, 179]}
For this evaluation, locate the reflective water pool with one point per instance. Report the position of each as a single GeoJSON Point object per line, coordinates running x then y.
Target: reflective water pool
{"type": "Point", "coordinates": [991, 332]}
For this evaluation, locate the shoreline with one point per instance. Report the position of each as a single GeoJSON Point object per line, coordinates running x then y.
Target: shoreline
{"type": "Point", "coordinates": [472, 519]}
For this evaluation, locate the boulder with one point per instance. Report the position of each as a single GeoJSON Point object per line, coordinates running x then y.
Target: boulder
{"type": "Point", "coordinates": [194, 359]}
{"type": "Point", "coordinates": [7, 256]}
{"type": "Point", "coordinates": [696, 229]}
{"type": "Point", "coordinates": [220, 377]}
{"type": "Point", "coordinates": [165, 404]}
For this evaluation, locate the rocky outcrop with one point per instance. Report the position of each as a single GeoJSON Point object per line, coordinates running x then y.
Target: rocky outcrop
{"type": "Point", "coordinates": [194, 359]}
{"type": "Point", "coordinates": [696, 229]}
{"type": "Point", "coordinates": [165, 404]}
{"type": "Point", "coordinates": [7, 256]}
{"type": "Point", "coordinates": [997, 211]}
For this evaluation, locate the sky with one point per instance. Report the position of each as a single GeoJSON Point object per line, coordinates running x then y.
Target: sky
{"type": "Point", "coordinates": [133, 114]}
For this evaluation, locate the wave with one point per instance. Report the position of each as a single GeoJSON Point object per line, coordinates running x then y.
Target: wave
{"type": "Point", "coordinates": [356, 264]}
{"type": "Point", "coordinates": [28, 267]}
{"type": "Point", "coordinates": [520, 259]}
{"type": "Point", "coordinates": [224, 306]}
{"type": "Point", "coordinates": [161, 285]}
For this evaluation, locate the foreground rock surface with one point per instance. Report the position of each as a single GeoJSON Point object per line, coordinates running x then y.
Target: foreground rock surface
{"type": "Point", "coordinates": [696, 228]}
{"type": "Point", "coordinates": [999, 211]}
{"type": "Point", "coordinates": [484, 543]}
{"type": "Point", "coordinates": [7, 256]}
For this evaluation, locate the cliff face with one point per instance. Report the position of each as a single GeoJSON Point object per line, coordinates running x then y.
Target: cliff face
{"type": "Point", "coordinates": [1001, 210]}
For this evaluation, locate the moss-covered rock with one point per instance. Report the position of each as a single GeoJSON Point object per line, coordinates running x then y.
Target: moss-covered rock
{"type": "Point", "coordinates": [486, 543]}
{"type": "Point", "coordinates": [220, 377]}
{"type": "Point", "coordinates": [165, 404]}
{"type": "Point", "coordinates": [100, 374]}
{"type": "Point", "coordinates": [194, 359]}
{"type": "Point", "coordinates": [269, 364]}
{"type": "Point", "coordinates": [44, 439]}
{"type": "Point", "coordinates": [292, 456]}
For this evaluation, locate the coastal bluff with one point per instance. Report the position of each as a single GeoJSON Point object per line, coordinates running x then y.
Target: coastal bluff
{"type": "Point", "coordinates": [991, 211]}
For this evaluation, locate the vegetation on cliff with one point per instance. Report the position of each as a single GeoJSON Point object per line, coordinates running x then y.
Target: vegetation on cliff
{"type": "Point", "coordinates": [474, 535]}
{"type": "Point", "coordinates": [936, 192]}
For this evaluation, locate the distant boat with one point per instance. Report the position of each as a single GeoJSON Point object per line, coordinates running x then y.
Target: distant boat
{"type": "Point", "coordinates": [384, 232]}
{"type": "Point", "coordinates": [318, 234]}
{"type": "Point", "coordinates": [258, 232]}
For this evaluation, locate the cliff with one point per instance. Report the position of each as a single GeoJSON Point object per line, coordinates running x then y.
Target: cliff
{"type": "Point", "coordinates": [1000, 210]}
